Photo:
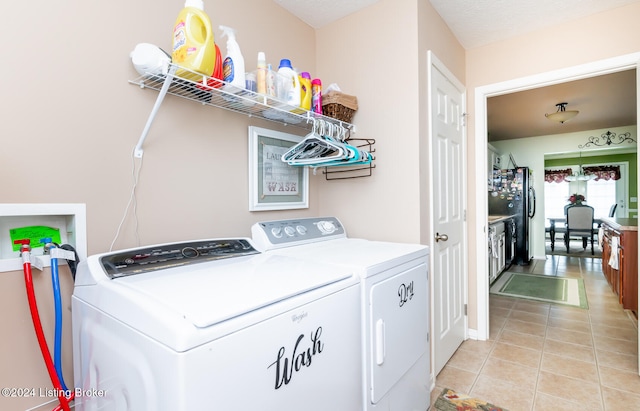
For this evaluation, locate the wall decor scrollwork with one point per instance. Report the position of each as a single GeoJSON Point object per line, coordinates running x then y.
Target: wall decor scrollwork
{"type": "Point", "coordinates": [607, 139]}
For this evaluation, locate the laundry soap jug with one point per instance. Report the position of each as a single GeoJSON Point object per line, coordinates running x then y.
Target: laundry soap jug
{"type": "Point", "coordinates": [193, 45]}
{"type": "Point", "coordinates": [288, 84]}
{"type": "Point", "coordinates": [305, 90]}
{"type": "Point", "coordinates": [233, 64]}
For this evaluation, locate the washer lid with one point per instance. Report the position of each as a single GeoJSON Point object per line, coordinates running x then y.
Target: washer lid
{"type": "Point", "coordinates": [210, 293]}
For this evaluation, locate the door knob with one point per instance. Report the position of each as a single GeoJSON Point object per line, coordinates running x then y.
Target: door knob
{"type": "Point", "coordinates": [441, 237]}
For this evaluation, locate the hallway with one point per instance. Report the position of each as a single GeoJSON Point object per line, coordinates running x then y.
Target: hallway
{"type": "Point", "coordinates": [544, 356]}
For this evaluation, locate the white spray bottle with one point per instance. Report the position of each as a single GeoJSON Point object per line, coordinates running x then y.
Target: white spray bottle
{"type": "Point", "coordinates": [233, 64]}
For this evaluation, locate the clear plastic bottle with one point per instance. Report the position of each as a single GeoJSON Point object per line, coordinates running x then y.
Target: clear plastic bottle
{"type": "Point", "coordinates": [193, 44]}
{"type": "Point", "coordinates": [261, 75]}
{"type": "Point", "coordinates": [271, 82]}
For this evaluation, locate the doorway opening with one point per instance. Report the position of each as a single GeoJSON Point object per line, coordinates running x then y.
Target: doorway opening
{"type": "Point", "coordinates": [598, 68]}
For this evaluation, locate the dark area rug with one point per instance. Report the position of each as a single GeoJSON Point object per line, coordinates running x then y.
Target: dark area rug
{"type": "Point", "coordinates": [449, 400]}
{"type": "Point", "coordinates": [575, 250]}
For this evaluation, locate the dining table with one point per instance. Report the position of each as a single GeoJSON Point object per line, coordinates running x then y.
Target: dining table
{"type": "Point", "coordinates": [562, 220]}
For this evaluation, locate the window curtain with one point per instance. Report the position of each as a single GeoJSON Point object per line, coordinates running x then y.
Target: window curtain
{"type": "Point", "coordinates": [603, 172]}
{"type": "Point", "coordinates": [557, 176]}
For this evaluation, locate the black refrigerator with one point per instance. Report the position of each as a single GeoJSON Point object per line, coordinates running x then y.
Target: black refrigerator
{"type": "Point", "coordinates": [511, 193]}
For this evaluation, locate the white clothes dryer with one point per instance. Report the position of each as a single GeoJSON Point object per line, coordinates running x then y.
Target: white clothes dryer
{"type": "Point", "coordinates": [394, 303]}
{"type": "Point", "coordinates": [215, 325]}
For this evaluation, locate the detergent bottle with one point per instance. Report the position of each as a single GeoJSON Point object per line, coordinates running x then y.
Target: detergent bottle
{"type": "Point", "coordinates": [193, 45]}
{"type": "Point", "coordinates": [233, 64]}
{"type": "Point", "coordinates": [305, 90]}
{"type": "Point", "coordinates": [316, 95]}
{"type": "Point", "coordinates": [288, 84]}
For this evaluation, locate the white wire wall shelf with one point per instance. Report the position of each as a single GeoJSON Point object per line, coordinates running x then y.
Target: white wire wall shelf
{"type": "Point", "coordinates": [208, 91]}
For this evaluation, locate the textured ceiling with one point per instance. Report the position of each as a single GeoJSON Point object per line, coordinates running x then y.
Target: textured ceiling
{"type": "Point", "coordinates": [480, 22]}
{"type": "Point", "coordinates": [474, 22]}
{"type": "Point", "coordinates": [319, 13]}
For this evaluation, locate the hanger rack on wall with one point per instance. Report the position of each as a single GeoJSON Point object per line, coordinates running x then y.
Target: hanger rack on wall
{"type": "Point", "coordinates": [217, 93]}
{"type": "Point", "coordinates": [331, 148]}
{"type": "Point", "coordinates": [342, 173]}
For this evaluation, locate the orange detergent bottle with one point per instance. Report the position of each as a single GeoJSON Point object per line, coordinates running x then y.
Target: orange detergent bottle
{"type": "Point", "coordinates": [193, 45]}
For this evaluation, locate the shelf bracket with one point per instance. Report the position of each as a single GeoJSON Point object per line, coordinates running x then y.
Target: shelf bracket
{"type": "Point", "coordinates": [137, 152]}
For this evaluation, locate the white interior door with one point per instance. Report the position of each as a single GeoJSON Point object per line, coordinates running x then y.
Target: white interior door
{"type": "Point", "coordinates": [448, 185]}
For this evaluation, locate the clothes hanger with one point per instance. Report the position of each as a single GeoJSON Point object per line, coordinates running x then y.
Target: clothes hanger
{"type": "Point", "coordinates": [314, 148]}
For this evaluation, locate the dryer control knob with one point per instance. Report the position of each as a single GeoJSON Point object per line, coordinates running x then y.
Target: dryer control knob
{"type": "Point", "coordinates": [302, 230]}
{"type": "Point", "coordinates": [290, 231]}
{"type": "Point", "coordinates": [276, 232]}
{"type": "Point", "coordinates": [326, 227]}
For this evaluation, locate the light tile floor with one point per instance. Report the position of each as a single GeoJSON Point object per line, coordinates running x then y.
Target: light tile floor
{"type": "Point", "coordinates": [552, 357]}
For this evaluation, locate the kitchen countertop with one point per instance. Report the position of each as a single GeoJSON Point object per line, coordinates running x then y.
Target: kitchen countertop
{"type": "Point", "coordinates": [494, 219]}
{"type": "Point", "coordinates": [621, 224]}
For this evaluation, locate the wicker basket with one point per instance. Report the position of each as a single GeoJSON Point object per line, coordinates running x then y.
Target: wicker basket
{"type": "Point", "coordinates": [339, 106]}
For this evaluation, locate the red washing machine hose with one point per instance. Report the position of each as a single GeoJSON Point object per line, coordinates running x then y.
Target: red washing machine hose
{"type": "Point", "coordinates": [37, 325]}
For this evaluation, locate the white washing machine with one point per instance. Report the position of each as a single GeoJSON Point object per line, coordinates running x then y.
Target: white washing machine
{"type": "Point", "coordinates": [215, 325]}
{"type": "Point", "coordinates": [394, 303]}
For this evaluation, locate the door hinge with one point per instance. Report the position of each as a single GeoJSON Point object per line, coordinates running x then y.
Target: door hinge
{"type": "Point", "coordinates": [428, 335]}
{"type": "Point", "coordinates": [465, 309]}
{"type": "Point", "coordinates": [464, 119]}
{"type": "Point", "coordinates": [464, 215]}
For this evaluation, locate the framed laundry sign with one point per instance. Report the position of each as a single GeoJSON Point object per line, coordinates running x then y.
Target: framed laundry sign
{"type": "Point", "coordinates": [273, 184]}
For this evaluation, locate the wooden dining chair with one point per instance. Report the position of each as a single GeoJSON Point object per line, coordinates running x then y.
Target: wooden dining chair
{"type": "Point", "coordinates": [580, 224]}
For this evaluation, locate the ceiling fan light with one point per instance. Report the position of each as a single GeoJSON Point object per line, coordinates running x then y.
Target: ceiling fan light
{"type": "Point", "coordinates": [562, 115]}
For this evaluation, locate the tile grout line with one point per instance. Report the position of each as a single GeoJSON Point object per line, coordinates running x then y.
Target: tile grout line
{"type": "Point", "coordinates": [593, 345]}
{"type": "Point", "coordinates": [486, 359]}
{"type": "Point", "coordinates": [544, 342]}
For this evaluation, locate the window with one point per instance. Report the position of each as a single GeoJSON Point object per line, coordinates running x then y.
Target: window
{"type": "Point", "coordinates": [555, 198]}
{"type": "Point", "coordinates": [601, 195]}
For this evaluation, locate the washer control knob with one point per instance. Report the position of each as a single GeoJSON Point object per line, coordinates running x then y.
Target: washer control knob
{"type": "Point", "coordinates": [190, 252]}
{"type": "Point", "coordinates": [302, 230]}
{"type": "Point", "coordinates": [326, 227]}
{"type": "Point", "coordinates": [290, 231]}
{"type": "Point", "coordinates": [276, 232]}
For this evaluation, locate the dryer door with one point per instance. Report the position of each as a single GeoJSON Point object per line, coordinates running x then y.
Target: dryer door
{"type": "Point", "coordinates": [398, 327]}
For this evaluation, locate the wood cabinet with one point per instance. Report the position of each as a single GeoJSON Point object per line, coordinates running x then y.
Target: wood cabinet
{"type": "Point", "coordinates": [624, 279]}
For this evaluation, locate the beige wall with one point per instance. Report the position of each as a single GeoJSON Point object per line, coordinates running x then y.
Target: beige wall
{"type": "Point", "coordinates": [593, 38]}
{"type": "Point", "coordinates": [71, 121]}
{"type": "Point", "coordinates": [380, 55]}
{"type": "Point", "coordinates": [378, 63]}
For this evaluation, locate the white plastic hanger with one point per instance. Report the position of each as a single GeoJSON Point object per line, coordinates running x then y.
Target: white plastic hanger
{"type": "Point", "coordinates": [314, 148]}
